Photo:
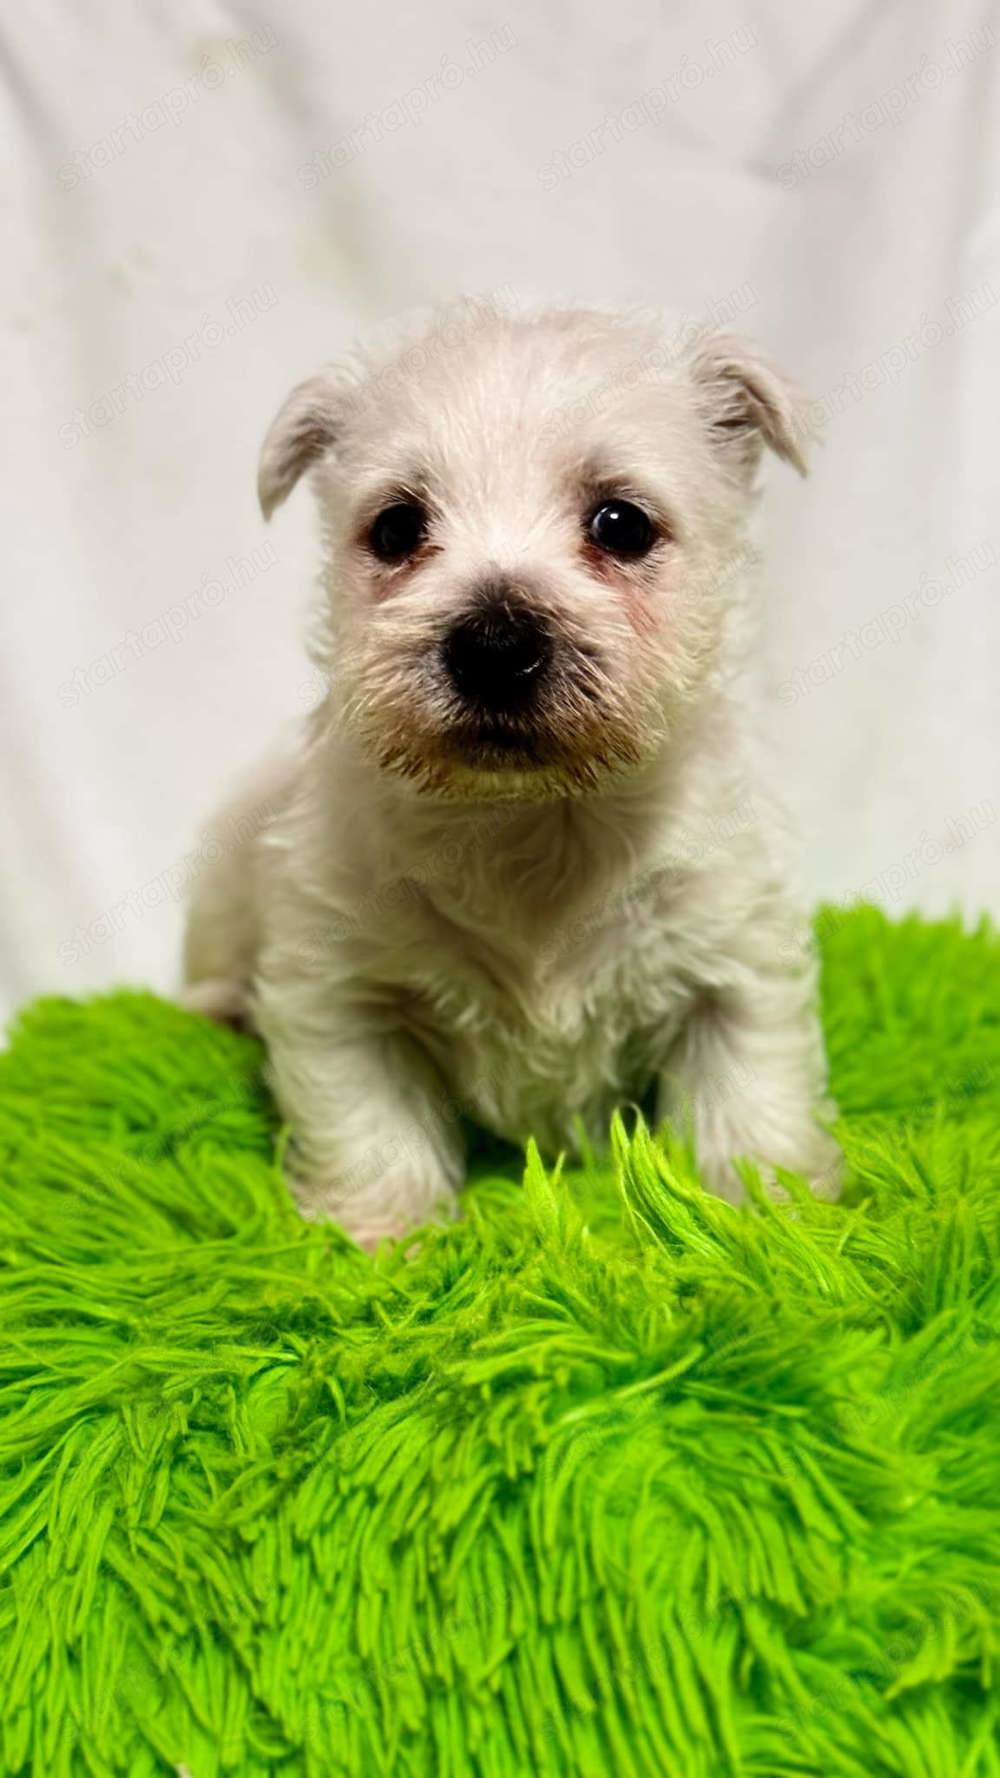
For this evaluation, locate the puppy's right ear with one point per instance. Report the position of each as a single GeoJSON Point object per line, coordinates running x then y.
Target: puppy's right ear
{"type": "Point", "coordinates": [748, 403]}
{"type": "Point", "coordinates": [303, 430]}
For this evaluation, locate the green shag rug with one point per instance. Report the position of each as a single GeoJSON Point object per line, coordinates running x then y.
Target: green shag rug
{"type": "Point", "coordinates": [608, 1478]}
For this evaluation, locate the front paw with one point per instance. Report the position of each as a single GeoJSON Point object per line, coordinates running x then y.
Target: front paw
{"type": "Point", "coordinates": [812, 1153]}
{"type": "Point", "coordinates": [317, 1204]}
{"type": "Point", "coordinates": [393, 1188]}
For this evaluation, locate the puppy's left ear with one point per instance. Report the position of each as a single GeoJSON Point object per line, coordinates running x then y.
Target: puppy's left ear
{"type": "Point", "coordinates": [305, 427]}
{"type": "Point", "coordinates": [748, 403]}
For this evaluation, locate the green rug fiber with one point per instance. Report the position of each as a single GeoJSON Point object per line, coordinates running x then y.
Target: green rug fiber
{"type": "Point", "coordinates": [608, 1478]}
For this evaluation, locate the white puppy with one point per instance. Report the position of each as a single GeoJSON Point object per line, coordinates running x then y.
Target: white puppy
{"type": "Point", "coordinates": [518, 869]}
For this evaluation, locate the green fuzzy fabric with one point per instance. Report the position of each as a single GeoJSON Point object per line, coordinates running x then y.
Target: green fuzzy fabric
{"type": "Point", "coordinates": [607, 1478]}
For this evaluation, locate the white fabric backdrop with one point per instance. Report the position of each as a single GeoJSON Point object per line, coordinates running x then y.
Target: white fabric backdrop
{"type": "Point", "coordinates": [207, 202]}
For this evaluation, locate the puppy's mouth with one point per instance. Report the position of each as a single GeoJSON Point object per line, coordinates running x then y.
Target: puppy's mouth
{"type": "Point", "coordinates": [491, 744]}
{"type": "Point", "coordinates": [559, 749]}
{"type": "Point", "coordinates": [497, 756]}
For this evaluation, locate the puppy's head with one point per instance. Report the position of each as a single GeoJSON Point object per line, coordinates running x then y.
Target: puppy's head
{"type": "Point", "coordinates": [533, 530]}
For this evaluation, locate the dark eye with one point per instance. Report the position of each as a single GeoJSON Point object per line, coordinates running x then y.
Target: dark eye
{"type": "Point", "coordinates": [621, 529]}
{"type": "Point", "coordinates": [397, 531]}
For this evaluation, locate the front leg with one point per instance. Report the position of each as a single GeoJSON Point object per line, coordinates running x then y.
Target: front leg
{"type": "Point", "coordinates": [746, 1077]}
{"type": "Point", "coordinates": [376, 1145]}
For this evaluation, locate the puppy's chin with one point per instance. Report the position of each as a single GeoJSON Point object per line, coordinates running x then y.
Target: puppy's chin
{"type": "Point", "coordinates": [481, 762]}
{"type": "Point", "coordinates": [461, 782]}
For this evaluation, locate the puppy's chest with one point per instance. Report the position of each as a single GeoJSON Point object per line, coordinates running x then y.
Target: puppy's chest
{"type": "Point", "coordinates": [535, 1027]}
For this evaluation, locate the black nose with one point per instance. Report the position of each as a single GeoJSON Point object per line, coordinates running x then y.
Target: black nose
{"type": "Point", "coordinates": [496, 655]}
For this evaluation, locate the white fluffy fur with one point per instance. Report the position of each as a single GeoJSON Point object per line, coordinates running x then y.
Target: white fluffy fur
{"type": "Point", "coordinates": [420, 933]}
